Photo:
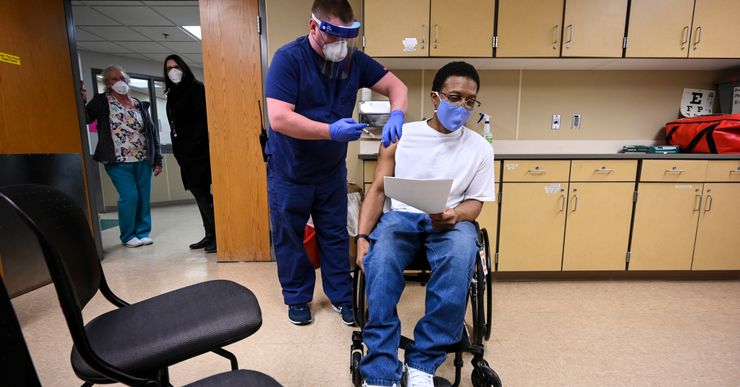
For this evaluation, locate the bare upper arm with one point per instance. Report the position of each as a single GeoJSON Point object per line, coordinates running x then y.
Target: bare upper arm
{"type": "Point", "coordinates": [386, 84]}
{"type": "Point", "coordinates": [276, 107]}
{"type": "Point", "coordinates": [386, 166]}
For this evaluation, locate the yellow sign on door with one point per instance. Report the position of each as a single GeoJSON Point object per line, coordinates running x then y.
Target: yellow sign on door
{"type": "Point", "coordinates": [8, 58]}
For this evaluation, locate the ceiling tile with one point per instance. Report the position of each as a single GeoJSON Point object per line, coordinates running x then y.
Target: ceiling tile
{"type": "Point", "coordinates": [175, 34]}
{"type": "Point", "coordinates": [181, 16]}
{"type": "Point", "coordinates": [184, 47]}
{"type": "Point", "coordinates": [82, 36]}
{"type": "Point", "coordinates": [86, 16]}
{"type": "Point", "coordinates": [198, 58]}
{"type": "Point", "coordinates": [134, 16]}
{"type": "Point", "coordinates": [105, 47]}
{"type": "Point", "coordinates": [119, 33]}
{"type": "Point", "coordinates": [144, 47]}
{"type": "Point", "coordinates": [157, 57]}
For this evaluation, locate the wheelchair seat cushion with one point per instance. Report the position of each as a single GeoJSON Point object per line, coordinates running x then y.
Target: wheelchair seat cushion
{"type": "Point", "coordinates": [238, 378]}
{"type": "Point", "coordinates": [146, 336]}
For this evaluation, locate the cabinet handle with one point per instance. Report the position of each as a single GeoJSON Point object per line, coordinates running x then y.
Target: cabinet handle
{"type": "Point", "coordinates": [697, 202]}
{"type": "Point", "coordinates": [422, 35]}
{"type": "Point", "coordinates": [537, 171]}
{"type": "Point", "coordinates": [562, 203]}
{"type": "Point", "coordinates": [698, 37]}
{"type": "Point", "coordinates": [735, 170]}
{"type": "Point", "coordinates": [708, 204]}
{"type": "Point", "coordinates": [555, 36]}
{"type": "Point", "coordinates": [570, 35]}
{"type": "Point", "coordinates": [685, 39]}
{"type": "Point", "coordinates": [675, 170]}
{"type": "Point", "coordinates": [575, 203]}
{"type": "Point", "coordinates": [604, 170]}
{"type": "Point", "coordinates": [436, 35]}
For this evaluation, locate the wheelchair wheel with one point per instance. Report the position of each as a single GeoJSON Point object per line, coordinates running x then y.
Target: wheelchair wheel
{"type": "Point", "coordinates": [484, 376]}
{"type": "Point", "coordinates": [477, 303]}
{"type": "Point", "coordinates": [486, 249]}
{"type": "Point", "coordinates": [359, 304]}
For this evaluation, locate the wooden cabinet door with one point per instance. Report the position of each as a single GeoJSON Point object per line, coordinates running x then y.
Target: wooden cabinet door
{"type": "Point", "coordinates": [598, 226]}
{"type": "Point", "coordinates": [659, 28]}
{"type": "Point", "coordinates": [666, 216]}
{"type": "Point", "coordinates": [717, 242]}
{"type": "Point", "coordinates": [716, 29]}
{"type": "Point", "coordinates": [529, 28]}
{"type": "Point", "coordinates": [390, 23]}
{"type": "Point", "coordinates": [462, 28]}
{"type": "Point", "coordinates": [532, 226]}
{"type": "Point", "coordinates": [594, 28]}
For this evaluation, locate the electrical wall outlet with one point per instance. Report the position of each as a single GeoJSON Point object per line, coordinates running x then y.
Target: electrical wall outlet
{"type": "Point", "coordinates": [555, 122]}
{"type": "Point", "coordinates": [575, 122]}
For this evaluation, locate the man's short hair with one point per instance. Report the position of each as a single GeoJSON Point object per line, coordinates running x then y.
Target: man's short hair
{"type": "Point", "coordinates": [323, 9]}
{"type": "Point", "coordinates": [461, 69]}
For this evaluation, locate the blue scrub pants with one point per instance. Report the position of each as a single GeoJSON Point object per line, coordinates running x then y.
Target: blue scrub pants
{"type": "Point", "coordinates": [133, 181]}
{"type": "Point", "coordinates": [393, 245]}
{"type": "Point", "coordinates": [290, 205]}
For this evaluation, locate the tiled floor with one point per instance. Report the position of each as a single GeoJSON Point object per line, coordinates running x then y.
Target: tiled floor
{"type": "Point", "coordinates": [588, 333]}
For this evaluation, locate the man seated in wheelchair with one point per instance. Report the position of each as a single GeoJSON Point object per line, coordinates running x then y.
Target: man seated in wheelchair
{"type": "Point", "coordinates": [439, 148]}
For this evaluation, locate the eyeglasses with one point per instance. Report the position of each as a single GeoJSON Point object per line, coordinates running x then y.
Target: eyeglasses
{"type": "Point", "coordinates": [459, 100]}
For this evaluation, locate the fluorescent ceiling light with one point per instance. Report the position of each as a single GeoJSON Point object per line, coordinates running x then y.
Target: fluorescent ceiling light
{"type": "Point", "coordinates": [194, 30]}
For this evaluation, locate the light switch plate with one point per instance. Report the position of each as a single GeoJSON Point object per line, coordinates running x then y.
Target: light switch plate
{"type": "Point", "coordinates": [555, 122]}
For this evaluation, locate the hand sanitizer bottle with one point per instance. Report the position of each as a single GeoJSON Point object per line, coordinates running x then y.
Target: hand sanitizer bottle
{"type": "Point", "coordinates": [486, 127]}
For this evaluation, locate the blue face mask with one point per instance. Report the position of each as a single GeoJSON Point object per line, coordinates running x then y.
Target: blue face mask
{"type": "Point", "coordinates": [451, 116]}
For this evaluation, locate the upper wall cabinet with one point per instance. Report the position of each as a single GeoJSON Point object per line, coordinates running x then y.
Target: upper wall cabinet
{"type": "Point", "coordinates": [684, 28]}
{"type": "Point", "coordinates": [529, 28]}
{"type": "Point", "coordinates": [594, 28]}
{"type": "Point", "coordinates": [716, 29]}
{"type": "Point", "coordinates": [405, 28]}
{"type": "Point", "coordinates": [462, 28]}
{"type": "Point", "coordinates": [659, 28]}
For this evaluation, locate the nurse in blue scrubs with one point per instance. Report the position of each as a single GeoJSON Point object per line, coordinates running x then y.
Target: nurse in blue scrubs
{"type": "Point", "coordinates": [311, 90]}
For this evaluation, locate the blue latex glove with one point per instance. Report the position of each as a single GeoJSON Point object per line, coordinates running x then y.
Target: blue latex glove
{"type": "Point", "coordinates": [345, 130]}
{"type": "Point", "coordinates": [392, 129]}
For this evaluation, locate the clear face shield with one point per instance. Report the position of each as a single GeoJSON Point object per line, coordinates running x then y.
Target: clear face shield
{"type": "Point", "coordinates": [338, 44]}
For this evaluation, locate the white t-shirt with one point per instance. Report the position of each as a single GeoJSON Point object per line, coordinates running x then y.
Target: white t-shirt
{"type": "Point", "coordinates": [463, 156]}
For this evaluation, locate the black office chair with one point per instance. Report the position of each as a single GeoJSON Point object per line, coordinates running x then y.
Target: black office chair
{"type": "Point", "coordinates": [480, 300]}
{"type": "Point", "coordinates": [136, 343]}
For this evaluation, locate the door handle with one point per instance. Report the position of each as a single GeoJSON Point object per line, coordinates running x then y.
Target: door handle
{"type": "Point", "coordinates": [537, 171]}
{"type": "Point", "coordinates": [436, 35]}
{"type": "Point", "coordinates": [697, 202]}
{"type": "Point", "coordinates": [685, 37]}
{"type": "Point", "coordinates": [708, 204]}
{"type": "Point", "coordinates": [604, 170]}
{"type": "Point", "coordinates": [697, 40]}
{"type": "Point", "coordinates": [422, 36]}
{"type": "Point", "coordinates": [575, 203]}
{"type": "Point", "coordinates": [570, 35]}
{"type": "Point", "coordinates": [562, 203]}
{"type": "Point", "coordinates": [555, 36]}
{"type": "Point", "coordinates": [675, 170]}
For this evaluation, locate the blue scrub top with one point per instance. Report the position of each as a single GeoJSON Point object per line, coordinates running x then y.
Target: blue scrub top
{"type": "Point", "coordinates": [295, 77]}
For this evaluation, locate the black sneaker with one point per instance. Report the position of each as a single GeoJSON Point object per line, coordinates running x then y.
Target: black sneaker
{"type": "Point", "coordinates": [345, 310]}
{"type": "Point", "coordinates": [299, 314]}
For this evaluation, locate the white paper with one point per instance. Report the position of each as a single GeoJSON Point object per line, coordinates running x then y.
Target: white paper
{"type": "Point", "coordinates": [429, 196]}
{"type": "Point", "coordinates": [696, 102]}
{"type": "Point", "coordinates": [736, 100]}
{"type": "Point", "coordinates": [409, 44]}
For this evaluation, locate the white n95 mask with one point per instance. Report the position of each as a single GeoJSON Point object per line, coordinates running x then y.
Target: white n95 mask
{"type": "Point", "coordinates": [120, 87]}
{"type": "Point", "coordinates": [175, 75]}
{"type": "Point", "coordinates": [335, 52]}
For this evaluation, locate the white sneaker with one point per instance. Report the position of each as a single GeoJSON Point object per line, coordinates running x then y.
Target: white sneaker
{"type": "Point", "coordinates": [146, 241]}
{"type": "Point", "coordinates": [134, 242]}
{"type": "Point", "coordinates": [372, 385]}
{"type": "Point", "coordinates": [416, 378]}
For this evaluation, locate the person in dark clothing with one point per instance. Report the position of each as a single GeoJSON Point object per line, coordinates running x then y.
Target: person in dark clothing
{"type": "Point", "coordinates": [186, 113]}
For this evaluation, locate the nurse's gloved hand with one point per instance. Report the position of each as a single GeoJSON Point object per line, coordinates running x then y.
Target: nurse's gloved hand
{"type": "Point", "coordinates": [392, 129]}
{"type": "Point", "coordinates": [345, 130]}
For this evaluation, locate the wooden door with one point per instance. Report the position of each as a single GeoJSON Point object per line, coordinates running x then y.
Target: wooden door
{"type": "Point", "coordinates": [659, 28]}
{"type": "Point", "coordinates": [397, 28]}
{"type": "Point", "coordinates": [594, 28]}
{"type": "Point", "coordinates": [598, 226]}
{"type": "Point", "coordinates": [717, 242]}
{"type": "Point", "coordinates": [462, 28]}
{"type": "Point", "coordinates": [666, 215]}
{"type": "Point", "coordinates": [532, 226]}
{"type": "Point", "coordinates": [529, 28]}
{"type": "Point", "coordinates": [716, 29]}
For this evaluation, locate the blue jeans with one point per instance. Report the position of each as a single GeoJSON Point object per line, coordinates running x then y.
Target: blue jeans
{"type": "Point", "coordinates": [393, 245]}
{"type": "Point", "coordinates": [133, 181]}
{"type": "Point", "coordinates": [290, 205]}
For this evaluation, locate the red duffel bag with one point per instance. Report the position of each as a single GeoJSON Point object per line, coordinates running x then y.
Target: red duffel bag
{"type": "Point", "coordinates": [705, 134]}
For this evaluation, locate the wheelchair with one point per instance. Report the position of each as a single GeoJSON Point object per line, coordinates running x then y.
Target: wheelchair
{"type": "Point", "coordinates": [480, 300]}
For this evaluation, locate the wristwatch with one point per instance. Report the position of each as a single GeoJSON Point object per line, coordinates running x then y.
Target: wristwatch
{"type": "Point", "coordinates": [363, 236]}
